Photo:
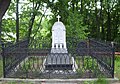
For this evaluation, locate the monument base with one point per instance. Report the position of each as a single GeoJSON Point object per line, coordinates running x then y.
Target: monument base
{"type": "Point", "coordinates": [59, 50]}
{"type": "Point", "coordinates": [58, 66]}
{"type": "Point", "coordinates": [58, 61]}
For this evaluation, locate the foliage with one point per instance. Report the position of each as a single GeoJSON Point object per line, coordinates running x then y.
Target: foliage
{"type": "Point", "coordinates": [44, 30]}
{"type": "Point", "coordinates": [82, 19]}
{"type": "Point", "coordinates": [75, 26]}
{"type": "Point", "coordinates": [8, 33]}
{"type": "Point", "coordinates": [117, 66]}
{"type": "Point", "coordinates": [31, 63]}
{"type": "Point", "coordinates": [99, 81]}
{"type": "Point", "coordinates": [87, 65]}
{"type": "Point", "coordinates": [117, 39]}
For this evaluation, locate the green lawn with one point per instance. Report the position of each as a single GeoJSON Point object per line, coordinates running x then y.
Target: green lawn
{"type": "Point", "coordinates": [117, 66]}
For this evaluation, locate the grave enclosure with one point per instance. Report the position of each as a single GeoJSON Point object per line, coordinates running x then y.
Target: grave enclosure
{"type": "Point", "coordinates": [59, 57]}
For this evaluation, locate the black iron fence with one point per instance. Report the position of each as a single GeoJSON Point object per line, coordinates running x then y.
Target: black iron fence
{"type": "Point", "coordinates": [13, 54]}
{"type": "Point", "coordinates": [85, 59]}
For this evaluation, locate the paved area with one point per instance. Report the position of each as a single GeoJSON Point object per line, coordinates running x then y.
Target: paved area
{"type": "Point", "coordinates": [52, 81]}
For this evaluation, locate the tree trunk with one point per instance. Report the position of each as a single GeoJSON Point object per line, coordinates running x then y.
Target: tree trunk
{"type": "Point", "coordinates": [0, 30]}
{"type": "Point", "coordinates": [73, 6]}
{"type": "Point", "coordinates": [4, 4]}
{"type": "Point", "coordinates": [108, 22]}
{"type": "Point", "coordinates": [32, 21]}
{"type": "Point", "coordinates": [108, 27]}
{"type": "Point", "coordinates": [17, 22]}
{"type": "Point", "coordinates": [81, 6]}
{"type": "Point", "coordinates": [97, 23]}
{"type": "Point", "coordinates": [102, 35]}
{"type": "Point", "coordinates": [31, 25]}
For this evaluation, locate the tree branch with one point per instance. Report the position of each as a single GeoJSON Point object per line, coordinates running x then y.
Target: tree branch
{"type": "Point", "coordinates": [4, 4]}
{"type": "Point", "coordinates": [39, 23]}
{"type": "Point", "coordinates": [32, 21]}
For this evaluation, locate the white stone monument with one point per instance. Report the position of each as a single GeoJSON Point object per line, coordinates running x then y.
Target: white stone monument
{"type": "Point", "coordinates": [59, 58]}
{"type": "Point", "coordinates": [58, 37]}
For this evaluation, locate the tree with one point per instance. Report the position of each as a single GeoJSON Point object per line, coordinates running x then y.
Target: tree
{"type": "Point", "coordinates": [17, 21]}
{"type": "Point", "coordinates": [4, 4]}
{"type": "Point", "coordinates": [81, 18]}
{"type": "Point", "coordinates": [75, 27]}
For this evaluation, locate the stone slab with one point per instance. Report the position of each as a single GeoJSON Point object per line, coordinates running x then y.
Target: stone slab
{"type": "Point", "coordinates": [58, 61]}
{"type": "Point", "coordinates": [78, 81]}
{"type": "Point", "coordinates": [59, 50]}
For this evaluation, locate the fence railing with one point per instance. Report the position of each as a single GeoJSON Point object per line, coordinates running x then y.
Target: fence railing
{"type": "Point", "coordinates": [13, 55]}
{"type": "Point", "coordinates": [85, 59]}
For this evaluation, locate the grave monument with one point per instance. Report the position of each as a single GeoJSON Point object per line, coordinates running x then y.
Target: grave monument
{"type": "Point", "coordinates": [59, 58]}
{"type": "Point", "coordinates": [58, 37]}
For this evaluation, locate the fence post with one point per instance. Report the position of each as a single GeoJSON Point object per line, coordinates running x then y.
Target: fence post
{"type": "Point", "coordinates": [88, 47]}
{"type": "Point", "coordinates": [113, 58]}
{"type": "Point", "coordinates": [3, 58]}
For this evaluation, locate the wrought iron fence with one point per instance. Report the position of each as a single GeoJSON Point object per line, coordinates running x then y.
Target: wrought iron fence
{"type": "Point", "coordinates": [13, 54]}
{"type": "Point", "coordinates": [85, 59]}
{"type": "Point", "coordinates": [104, 54]}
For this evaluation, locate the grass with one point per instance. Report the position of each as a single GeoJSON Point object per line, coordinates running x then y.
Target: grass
{"type": "Point", "coordinates": [86, 66]}
{"type": "Point", "coordinates": [117, 66]}
{"type": "Point", "coordinates": [99, 81]}
{"type": "Point", "coordinates": [1, 67]}
{"type": "Point", "coordinates": [30, 67]}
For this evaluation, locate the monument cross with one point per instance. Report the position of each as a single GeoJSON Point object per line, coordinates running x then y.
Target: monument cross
{"type": "Point", "coordinates": [58, 18]}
